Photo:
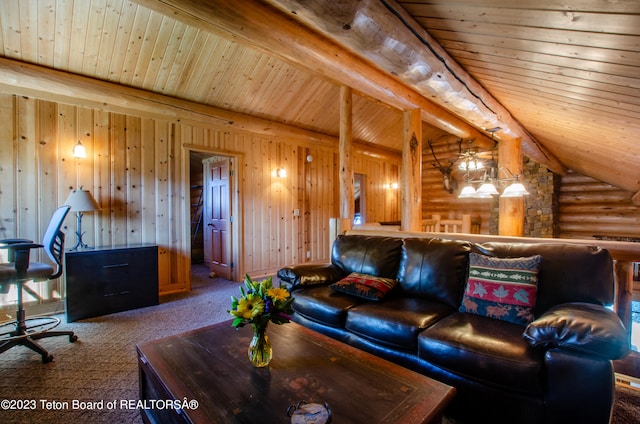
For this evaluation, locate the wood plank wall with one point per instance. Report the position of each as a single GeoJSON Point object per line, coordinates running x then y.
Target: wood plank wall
{"type": "Point", "coordinates": [137, 169]}
{"type": "Point", "coordinates": [382, 198]}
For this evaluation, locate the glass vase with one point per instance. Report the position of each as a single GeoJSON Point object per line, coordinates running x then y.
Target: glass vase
{"type": "Point", "coordinates": [260, 348]}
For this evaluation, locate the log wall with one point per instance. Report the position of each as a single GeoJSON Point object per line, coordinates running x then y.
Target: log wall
{"type": "Point", "coordinates": [587, 208]}
{"type": "Point", "coordinates": [137, 169]}
{"type": "Point", "coordinates": [436, 200]}
{"type": "Point", "coordinates": [591, 208]}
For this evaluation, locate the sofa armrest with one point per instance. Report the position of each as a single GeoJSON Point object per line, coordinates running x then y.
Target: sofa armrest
{"type": "Point", "coordinates": [299, 276]}
{"type": "Point", "coordinates": [581, 327]}
{"type": "Point", "coordinates": [580, 388]}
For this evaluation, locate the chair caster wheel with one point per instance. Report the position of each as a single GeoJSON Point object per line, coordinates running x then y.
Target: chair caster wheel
{"type": "Point", "coordinates": [73, 338]}
{"type": "Point", "coordinates": [46, 359]}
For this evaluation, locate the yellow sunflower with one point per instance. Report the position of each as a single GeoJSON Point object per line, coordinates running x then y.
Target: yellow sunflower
{"type": "Point", "coordinates": [249, 307]}
{"type": "Point", "coordinates": [278, 294]}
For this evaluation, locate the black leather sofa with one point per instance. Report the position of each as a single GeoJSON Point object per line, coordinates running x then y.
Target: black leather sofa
{"type": "Point", "coordinates": [557, 369]}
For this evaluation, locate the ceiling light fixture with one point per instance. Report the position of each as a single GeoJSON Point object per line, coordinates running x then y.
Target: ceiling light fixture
{"type": "Point", "coordinates": [488, 182]}
{"type": "Point", "coordinates": [469, 160]}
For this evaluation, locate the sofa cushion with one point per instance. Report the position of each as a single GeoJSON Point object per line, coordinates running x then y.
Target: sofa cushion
{"type": "Point", "coordinates": [568, 273]}
{"type": "Point", "coordinates": [434, 269]}
{"type": "Point", "coordinates": [324, 305]}
{"type": "Point", "coordinates": [373, 255]}
{"type": "Point", "coordinates": [365, 286]}
{"type": "Point", "coordinates": [395, 321]}
{"type": "Point", "coordinates": [490, 351]}
{"type": "Point", "coordinates": [502, 288]}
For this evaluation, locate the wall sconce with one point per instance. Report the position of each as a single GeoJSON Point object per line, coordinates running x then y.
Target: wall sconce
{"type": "Point", "coordinates": [392, 186]}
{"type": "Point", "coordinates": [281, 173]}
{"type": "Point", "coordinates": [79, 151]}
{"type": "Point", "coordinates": [81, 201]}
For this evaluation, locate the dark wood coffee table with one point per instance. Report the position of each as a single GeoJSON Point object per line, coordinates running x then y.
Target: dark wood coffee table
{"type": "Point", "coordinates": [210, 366]}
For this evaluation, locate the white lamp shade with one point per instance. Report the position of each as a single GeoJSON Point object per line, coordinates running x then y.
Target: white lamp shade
{"type": "Point", "coordinates": [467, 192]}
{"type": "Point", "coordinates": [79, 151]}
{"type": "Point", "coordinates": [81, 201]}
{"type": "Point", "coordinates": [515, 190]}
{"type": "Point", "coordinates": [480, 195]}
{"type": "Point", "coordinates": [487, 189]}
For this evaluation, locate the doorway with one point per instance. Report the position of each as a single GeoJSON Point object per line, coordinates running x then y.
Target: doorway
{"type": "Point", "coordinates": [214, 204]}
{"type": "Point", "coordinates": [217, 222]}
{"type": "Point", "coordinates": [360, 207]}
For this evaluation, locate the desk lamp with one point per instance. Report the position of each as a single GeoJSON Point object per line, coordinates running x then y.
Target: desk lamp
{"type": "Point", "coordinates": [81, 201]}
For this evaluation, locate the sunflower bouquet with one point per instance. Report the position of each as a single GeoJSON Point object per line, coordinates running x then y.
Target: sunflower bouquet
{"type": "Point", "coordinates": [261, 303]}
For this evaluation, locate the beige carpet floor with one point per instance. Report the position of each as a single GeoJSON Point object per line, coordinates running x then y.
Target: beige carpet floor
{"type": "Point", "coordinates": [102, 364]}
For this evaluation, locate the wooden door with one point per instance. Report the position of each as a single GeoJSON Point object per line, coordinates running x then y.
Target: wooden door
{"type": "Point", "coordinates": [217, 231]}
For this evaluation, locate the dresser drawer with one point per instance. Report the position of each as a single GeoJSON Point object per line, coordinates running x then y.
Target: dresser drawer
{"type": "Point", "coordinates": [104, 281]}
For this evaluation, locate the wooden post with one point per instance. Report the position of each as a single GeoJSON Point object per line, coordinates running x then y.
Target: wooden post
{"type": "Point", "coordinates": [347, 201]}
{"type": "Point", "coordinates": [466, 223]}
{"type": "Point", "coordinates": [411, 176]}
{"type": "Point", "coordinates": [624, 291]}
{"type": "Point", "coordinates": [511, 212]}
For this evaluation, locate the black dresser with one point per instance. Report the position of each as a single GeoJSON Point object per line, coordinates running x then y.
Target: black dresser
{"type": "Point", "coordinates": [105, 280]}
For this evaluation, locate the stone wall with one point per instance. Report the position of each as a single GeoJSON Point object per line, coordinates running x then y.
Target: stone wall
{"type": "Point", "coordinates": [542, 204]}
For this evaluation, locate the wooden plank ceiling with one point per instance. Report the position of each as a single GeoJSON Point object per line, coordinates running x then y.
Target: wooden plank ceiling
{"type": "Point", "coordinates": [567, 71]}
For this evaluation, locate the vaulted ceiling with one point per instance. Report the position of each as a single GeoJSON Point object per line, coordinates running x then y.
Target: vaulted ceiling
{"type": "Point", "coordinates": [568, 71]}
{"type": "Point", "coordinates": [563, 76]}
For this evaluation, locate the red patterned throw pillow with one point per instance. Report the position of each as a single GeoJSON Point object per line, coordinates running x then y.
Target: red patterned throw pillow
{"type": "Point", "coordinates": [365, 286]}
{"type": "Point", "coordinates": [502, 288]}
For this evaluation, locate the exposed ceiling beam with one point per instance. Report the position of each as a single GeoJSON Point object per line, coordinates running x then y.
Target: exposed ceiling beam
{"type": "Point", "coordinates": [36, 81]}
{"type": "Point", "coordinates": [283, 34]}
{"type": "Point", "coordinates": [386, 35]}
{"type": "Point", "coordinates": [261, 26]}
{"type": "Point", "coordinates": [25, 79]}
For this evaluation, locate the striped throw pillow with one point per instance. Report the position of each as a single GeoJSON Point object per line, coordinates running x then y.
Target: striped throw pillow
{"type": "Point", "coordinates": [502, 288]}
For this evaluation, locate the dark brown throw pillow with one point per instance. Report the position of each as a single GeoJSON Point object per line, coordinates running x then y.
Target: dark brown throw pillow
{"type": "Point", "coordinates": [365, 286]}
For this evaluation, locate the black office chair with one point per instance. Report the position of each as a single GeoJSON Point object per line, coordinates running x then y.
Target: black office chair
{"type": "Point", "coordinates": [24, 331]}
